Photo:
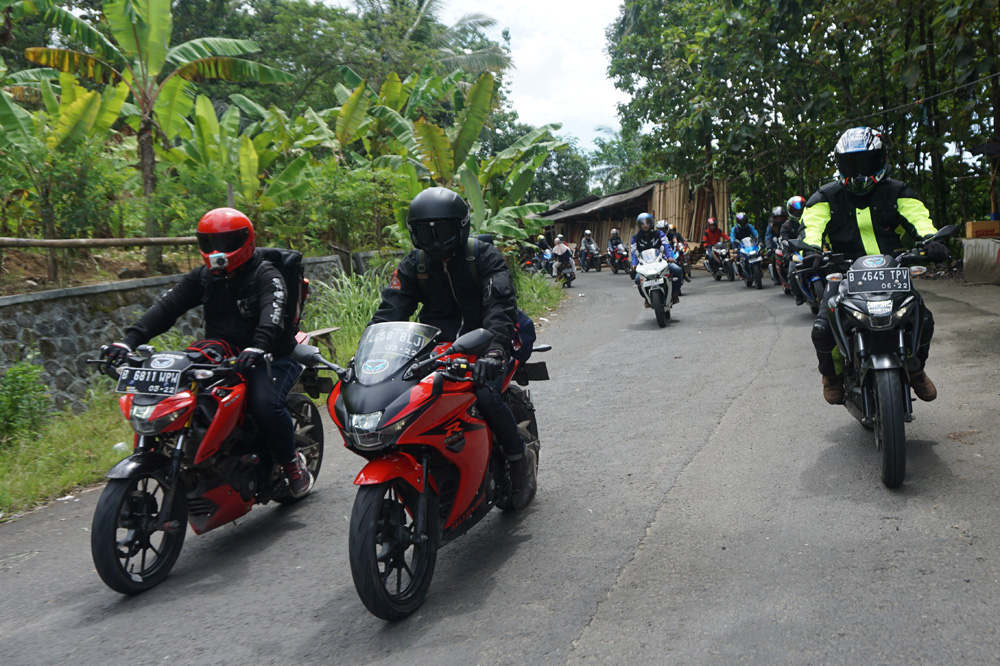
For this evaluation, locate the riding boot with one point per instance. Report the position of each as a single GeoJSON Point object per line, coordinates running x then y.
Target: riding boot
{"type": "Point", "coordinates": [675, 298]}
{"type": "Point", "coordinates": [833, 389]}
{"type": "Point", "coordinates": [522, 478]}
{"type": "Point", "coordinates": [923, 386]}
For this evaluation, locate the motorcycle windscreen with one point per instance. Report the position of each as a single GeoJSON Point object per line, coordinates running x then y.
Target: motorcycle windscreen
{"type": "Point", "coordinates": [650, 256]}
{"type": "Point", "coordinates": [386, 348]}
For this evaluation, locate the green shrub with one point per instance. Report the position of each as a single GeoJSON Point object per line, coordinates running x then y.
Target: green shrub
{"type": "Point", "coordinates": [24, 402]}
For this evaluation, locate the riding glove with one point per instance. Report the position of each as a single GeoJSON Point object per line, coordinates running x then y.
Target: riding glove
{"type": "Point", "coordinates": [248, 358]}
{"type": "Point", "coordinates": [937, 252]}
{"type": "Point", "coordinates": [488, 367]}
{"type": "Point", "coordinates": [116, 353]}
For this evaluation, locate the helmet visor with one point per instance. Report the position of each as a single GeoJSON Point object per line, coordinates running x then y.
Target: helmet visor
{"type": "Point", "coordinates": [438, 231]}
{"type": "Point", "coordinates": [861, 163]}
{"type": "Point", "coordinates": [226, 241]}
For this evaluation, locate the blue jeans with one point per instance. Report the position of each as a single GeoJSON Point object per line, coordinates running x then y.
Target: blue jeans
{"type": "Point", "coordinates": [266, 403]}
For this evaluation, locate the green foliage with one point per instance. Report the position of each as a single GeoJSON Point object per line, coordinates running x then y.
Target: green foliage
{"type": "Point", "coordinates": [24, 402]}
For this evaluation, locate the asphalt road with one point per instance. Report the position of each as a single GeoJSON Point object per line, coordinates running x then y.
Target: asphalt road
{"type": "Point", "coordinates": [698, 503]}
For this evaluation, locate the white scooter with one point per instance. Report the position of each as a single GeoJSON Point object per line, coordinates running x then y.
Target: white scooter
{"type": "Point", "coordinates": [655, 283]}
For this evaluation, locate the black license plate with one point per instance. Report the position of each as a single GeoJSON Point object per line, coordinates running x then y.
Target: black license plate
{"type": "Point", "coordinates": [146, 381]}
{"type": "Point", "coordinates": [878, 279]}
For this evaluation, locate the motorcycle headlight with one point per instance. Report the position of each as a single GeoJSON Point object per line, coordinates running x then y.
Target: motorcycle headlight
{"type": "Point", "coordinates": [904, 310]}
{"type": "Point", "coordinates": [365, 435]}
{"type": "Point", "coordinates": [142, 425]}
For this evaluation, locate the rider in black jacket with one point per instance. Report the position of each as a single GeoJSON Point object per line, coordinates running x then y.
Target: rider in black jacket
{"type": "Point", "coordinates": [244, 298]}
{"type": "Point", "coordinates": [454, 302]}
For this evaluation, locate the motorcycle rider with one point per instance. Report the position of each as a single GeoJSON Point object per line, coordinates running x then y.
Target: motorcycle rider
{"type": "Point", "coordinates": [562, 256]}
{"type": "Point", "coordinates": [588, 244]}
{"type": "Point", "coordinates": [613, 240]}
{"type": "Point", "coordinates": [791, 228]}
{"type": "Point", "coordinates": [778, 217]}
{"type": "Point", "coordinates": [542, 243]}
{"type": "Point", "coordinates": [649, 238]}
{"type": "Point", "coordinates": [865, 212]}
{"type": "Point", "coordinates": [713, 234]}
{"type": "Point", "coordinates": [743, 229]}
{"type": "Point", "coordinates": [244, 298]}
{"type": "Point", "coordinates": [451, 300]}
{"type": "Point", "coordinates": [677, 241]}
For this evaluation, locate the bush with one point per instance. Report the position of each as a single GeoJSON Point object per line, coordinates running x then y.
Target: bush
{"type": "Point", "coordinates": [24, 402]}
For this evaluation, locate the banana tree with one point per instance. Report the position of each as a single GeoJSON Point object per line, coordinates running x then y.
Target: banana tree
{"type": "Point", "coordinates": [139, 54]}
{"type": "Point", "coordinates": [29, 143]}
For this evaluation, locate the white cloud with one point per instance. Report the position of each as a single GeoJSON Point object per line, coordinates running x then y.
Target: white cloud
{"type": "Point", "coordinates": [558, 49]}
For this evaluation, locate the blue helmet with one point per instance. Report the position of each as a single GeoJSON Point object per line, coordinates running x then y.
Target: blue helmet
{"type": "Point", "coordinates": [645, 222]}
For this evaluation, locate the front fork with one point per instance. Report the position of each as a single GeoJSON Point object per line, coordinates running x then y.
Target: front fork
{"type": "Point", "coordinates": [421, 532]}
{"type": "Point", "coordinates": [173, 482]}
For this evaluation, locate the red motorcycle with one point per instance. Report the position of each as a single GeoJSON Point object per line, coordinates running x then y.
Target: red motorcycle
{"type": "Point", "coordinates": [198, 458]}
{"type": "Point", "coordinates": [407, 405]}
{"type": "Point", "coordinates": [618, 258]}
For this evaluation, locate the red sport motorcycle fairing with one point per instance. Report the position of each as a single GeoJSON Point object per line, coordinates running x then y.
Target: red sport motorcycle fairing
{"type": "Point", "coordinates": [434, 469]}
{"type": "Point", "coordinates": [198, 458]}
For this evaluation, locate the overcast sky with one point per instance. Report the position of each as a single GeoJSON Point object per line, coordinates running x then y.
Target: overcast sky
{"type": "Point", "coordinates": [558, 51]}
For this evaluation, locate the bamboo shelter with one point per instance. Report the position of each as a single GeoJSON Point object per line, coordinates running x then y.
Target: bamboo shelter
{"type": "Point", "coordinates": [672, 201]}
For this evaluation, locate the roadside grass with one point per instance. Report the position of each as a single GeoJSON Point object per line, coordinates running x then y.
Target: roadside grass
{"type": "Point", "coordinates": [69, 451]}
{"type": "Point", "coordinates": [74, 450]}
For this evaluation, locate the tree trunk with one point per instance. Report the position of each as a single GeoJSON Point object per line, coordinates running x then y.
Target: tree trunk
{"type": "Point", "coordinates": [48, 229]}
{"type": "Point", "coordinates": [147, 167]}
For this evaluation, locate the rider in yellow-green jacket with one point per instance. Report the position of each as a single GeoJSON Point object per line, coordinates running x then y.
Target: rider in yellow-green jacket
{"type": "Point", "coordinates": [865, 212]}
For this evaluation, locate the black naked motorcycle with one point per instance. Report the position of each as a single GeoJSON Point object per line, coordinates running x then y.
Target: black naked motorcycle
{"type": "Point", "coordinates": [876, 316]}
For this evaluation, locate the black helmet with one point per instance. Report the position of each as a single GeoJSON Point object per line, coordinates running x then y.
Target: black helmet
{"type": "Point", "coordinates": [438, 221]}
{"type": "Point", "coordinates": [862, 159]}
{"type": "Point", "coordinates": [795, 207]}
{"type": "Point", "coordinates": [742, 219]}
{"type": "Point", "coordinates": [645, 222]}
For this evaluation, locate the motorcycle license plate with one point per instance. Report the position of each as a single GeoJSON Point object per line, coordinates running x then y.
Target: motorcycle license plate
{"type": "Point", "coordinates": [877, 280]}
{"type": "Point", "coordinates": [652, 283]}
{"type": "Point", "coordinates": [145, 381]}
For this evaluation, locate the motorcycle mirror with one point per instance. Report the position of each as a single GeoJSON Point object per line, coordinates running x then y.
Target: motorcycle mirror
{"type": "Point", "coordinates": [945, 232]}
{"type": "Point", "coordinates": [307, 355]}
{"type": "Point", "coordinates": [474, 342]}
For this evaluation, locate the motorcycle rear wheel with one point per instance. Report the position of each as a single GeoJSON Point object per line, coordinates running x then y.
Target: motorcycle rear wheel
{"type": "Point", "coordinates": [524, 413]}
{"type": "Point", "coordinates": [308, 437]}
{"type": "Point", "coordinates": [130, 553]}
{"type": "Point", "coordinates": [656, 300]}
{"type": "Point", "coordinates": [391, 573]}
{"type": "Point", "coordinates": [890, 431]}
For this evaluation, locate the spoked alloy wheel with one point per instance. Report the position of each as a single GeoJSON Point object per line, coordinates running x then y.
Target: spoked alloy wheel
{"type": "Point", "coordinates": [890, 431]}
{"type": "Point", "coordinates": [308, 437]}
{"type": "Point", "coordinates": [130, 552]}
{"type": "Point", "coordinates": [391, 572]}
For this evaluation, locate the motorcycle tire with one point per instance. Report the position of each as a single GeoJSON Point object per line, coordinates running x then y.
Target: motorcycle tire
{"type": "Point", "coordinates": [814, 308]}
{"type": "Point", "coordinates": [757, 277]}
{"type": "Point", "coordinates": [597, 265]}
{"type": "Point", "coordinates": [308, 437]}
{"type": "Point", "coordinates": [614, 268]}
{"type": "Point", "coordinates": [120, 542]}
{"type": "Point", "coordinates": [656, 300]}
{"type": "Point", "coordinates": [586, 267]}
{"type": "Point", "coordinates": [890, 430]}
{"type": "Point", "coordinates": [391, 573]}
{"type": "Point", "coordinates": [788, 291]}
{"type": "Point", "coordinates": [731, 273]}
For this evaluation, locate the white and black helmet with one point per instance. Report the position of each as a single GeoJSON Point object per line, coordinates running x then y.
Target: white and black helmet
{"type": "Point", "coordinates": [862, 159]}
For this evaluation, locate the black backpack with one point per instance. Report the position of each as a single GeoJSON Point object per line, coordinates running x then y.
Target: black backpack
{"type": "Point", "coordinates": [289, 264]}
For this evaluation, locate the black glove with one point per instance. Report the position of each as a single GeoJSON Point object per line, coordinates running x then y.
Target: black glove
{"type": "Point", "coordinates": [811, 261]}
{"type": "Point", "coordinates": [116, 353]}
{"type": "Point", "coordinates": [248, 358]}
{"type": "Point", "coordinates": [488, 367]}
{"type": "Point", "coordinates": [937, 252]}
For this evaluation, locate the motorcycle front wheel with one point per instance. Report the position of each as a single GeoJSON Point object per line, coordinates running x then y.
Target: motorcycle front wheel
{"type": "Point", "coordinates": [391, 567]}
{"type": "Point", "coordinates": [757, 277]}
{"type": "Point", "coordinates": [131, 553]}
{"type": "Point", "coordinates": [890, 431]}
{"type": "Point", "coordinates": [656, 300]}
{"type": "Point", "coordinates": [731, 272]}
{"type": "Point", "coordinates": [614, 266]}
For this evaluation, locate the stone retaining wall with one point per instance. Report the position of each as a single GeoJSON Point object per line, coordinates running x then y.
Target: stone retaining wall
{"type": "Point", "coordinates": [62, 328]}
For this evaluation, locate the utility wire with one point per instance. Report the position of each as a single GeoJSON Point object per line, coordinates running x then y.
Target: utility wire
{"type": "Point", "coordinates": [920, 101]}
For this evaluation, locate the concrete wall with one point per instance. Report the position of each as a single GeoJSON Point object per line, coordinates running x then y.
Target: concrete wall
{"type": "Point", "coordinates": [982, 260]}
{"type": "Point", "coordinates": [62, 328]}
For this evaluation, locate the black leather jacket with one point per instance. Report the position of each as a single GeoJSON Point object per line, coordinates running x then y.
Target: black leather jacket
{"type": "Point", "coordinates": [454, 303]}
{"type": "Point", "coordinates": [245, 309]}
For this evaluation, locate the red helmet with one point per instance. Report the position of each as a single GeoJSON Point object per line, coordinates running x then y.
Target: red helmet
{"type": "Point", "coordinates": [226, 240]}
